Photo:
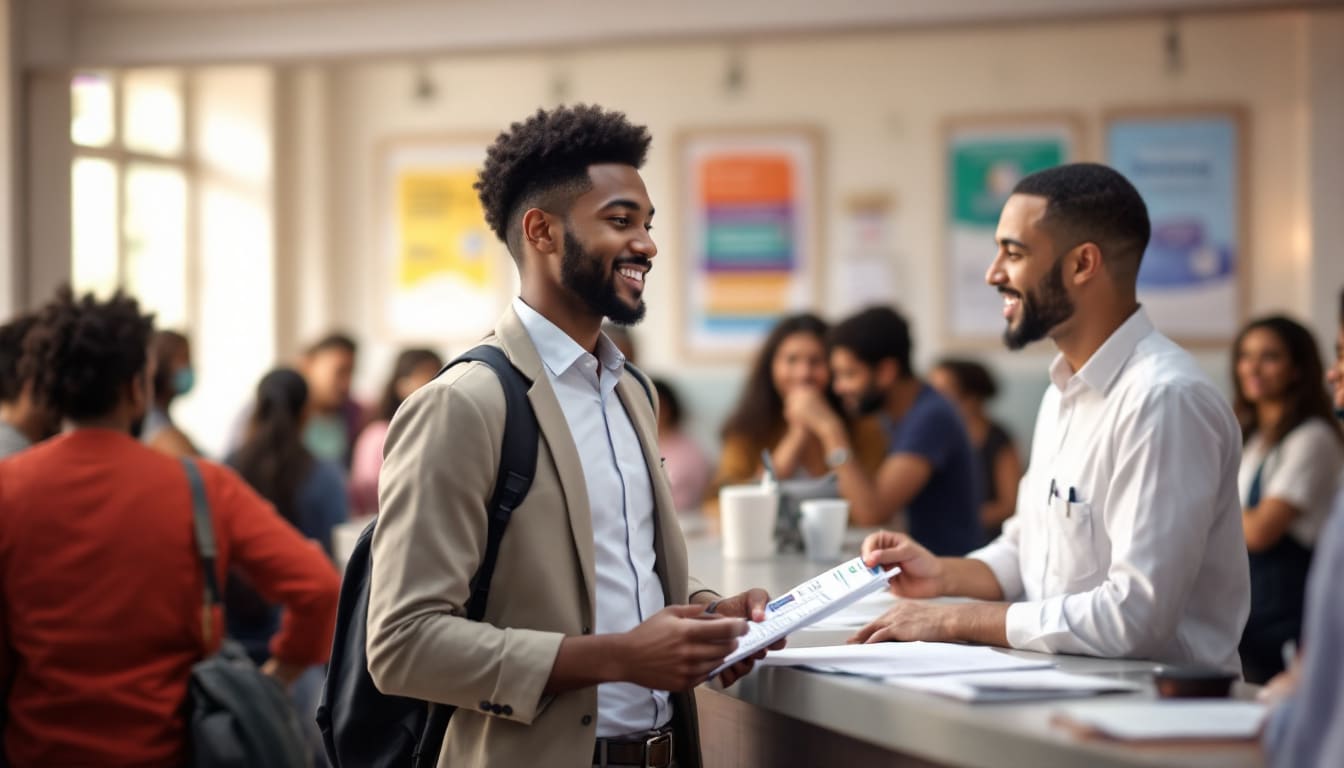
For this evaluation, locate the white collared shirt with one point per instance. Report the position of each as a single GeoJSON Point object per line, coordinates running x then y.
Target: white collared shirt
{"type": "Point", "coordinates": [1149, 561]}
{"type": "Point", "coordinates": [620, 495]}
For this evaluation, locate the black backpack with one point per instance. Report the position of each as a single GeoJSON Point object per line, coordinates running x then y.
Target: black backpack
{"type": "Point", "coordinates": [361, 726]}
{"type": "Point", "coordinates": [239, 717]}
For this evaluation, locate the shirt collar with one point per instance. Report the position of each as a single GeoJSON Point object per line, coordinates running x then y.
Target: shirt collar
{"type": "Point", "coordinates": [558, 351]}
{"type": "Point", "coordinates": [1101, 370]}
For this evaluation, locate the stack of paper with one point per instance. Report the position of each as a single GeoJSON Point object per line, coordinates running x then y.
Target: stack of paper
{"type": "Point", "coordinates": [1168, 719]}
{"type": "Point", "coordinates": [891, 659]}
{"type": "Point", "coordinates": [1016, 685]}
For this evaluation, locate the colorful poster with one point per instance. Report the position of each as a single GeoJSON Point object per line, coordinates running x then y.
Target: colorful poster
{"type": "Point", "coordinates": [1187, 167]}
{"type": "Point", "coordinates": [984, 163]}
{"type": "Point", "coordinates": [448, 277]}
{"type": "Point", "coordinates": [750, 234]}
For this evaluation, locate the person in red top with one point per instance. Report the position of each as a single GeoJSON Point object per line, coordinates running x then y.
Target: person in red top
{"type": "Point", "coordinates": [100, 585]}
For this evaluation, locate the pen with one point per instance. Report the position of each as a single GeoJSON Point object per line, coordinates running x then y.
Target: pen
{"type": "Point", "coordinates": [1073, 495]}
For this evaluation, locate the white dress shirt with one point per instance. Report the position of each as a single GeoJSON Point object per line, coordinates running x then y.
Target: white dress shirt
{"type": "Point", "coordinates": [620, 495]}
{"type": "Point", "coordinates": [1149, 560]}
{"type": "Point", "coordinates": [1302, 470]}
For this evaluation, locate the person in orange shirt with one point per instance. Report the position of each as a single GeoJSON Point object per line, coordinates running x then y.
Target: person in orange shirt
{"type": "Point", "coordinates": [100, 582]}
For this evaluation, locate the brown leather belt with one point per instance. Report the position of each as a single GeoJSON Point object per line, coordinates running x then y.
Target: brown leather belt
{"type": "Point", "coordinates": [649, 750]}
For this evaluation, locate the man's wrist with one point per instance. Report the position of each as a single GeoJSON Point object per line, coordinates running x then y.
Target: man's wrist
{"type": "Point", "coordinates": [834, 437]}
{"type": "Point", "coordinates": [703, 597]}
{"type": "Point", "coordinates": [984, 623]}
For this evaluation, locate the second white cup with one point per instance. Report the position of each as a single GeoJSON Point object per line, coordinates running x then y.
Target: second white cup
{"type": "Point", "coordinates": [822, 523]}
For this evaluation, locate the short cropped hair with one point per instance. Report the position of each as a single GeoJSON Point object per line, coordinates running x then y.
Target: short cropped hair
{"type": "Point", "coordinates": [1090, 202]}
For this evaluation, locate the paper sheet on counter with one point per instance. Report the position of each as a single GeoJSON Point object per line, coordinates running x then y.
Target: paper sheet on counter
{"type": "Point", "coordinates": [1014, 685]}
{"type": "Point", "coordinates": [1167, 719]}
{"type": "Point", "coordinates": [893, 659]}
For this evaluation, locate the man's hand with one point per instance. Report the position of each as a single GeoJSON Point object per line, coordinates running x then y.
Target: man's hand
{"type": "Point", "coordinates": [921, 571]}
{"type": "Point", "coordinates": [908, 620]}
{"type": "Point", "coordinates": [983, 623]}
{"type": "Point", "coordinates": [676, 648]}
{"type": "Point", "coordinates": [283, 672]}
{"type": "Point", "coordinates": [747, 605]}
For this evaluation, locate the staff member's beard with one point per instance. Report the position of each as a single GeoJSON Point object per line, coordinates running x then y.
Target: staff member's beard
{"type": "Point", "coordinates": [1042, 308]}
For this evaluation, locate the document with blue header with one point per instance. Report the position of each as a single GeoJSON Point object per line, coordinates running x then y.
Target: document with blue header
{"type": "Point", "coordinates": [807, 603]}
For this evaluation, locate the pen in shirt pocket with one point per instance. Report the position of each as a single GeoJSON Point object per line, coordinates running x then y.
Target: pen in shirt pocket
{"type": "Point", "coordinates": [1073, 499]}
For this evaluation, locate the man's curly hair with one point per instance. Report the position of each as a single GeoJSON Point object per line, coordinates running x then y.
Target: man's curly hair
{"type": "Point", "coordinates": [84, 352]}
{"type": "Point", "coordinates": [543, 162]}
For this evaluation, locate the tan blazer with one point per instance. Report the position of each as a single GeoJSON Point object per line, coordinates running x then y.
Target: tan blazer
{"type": "Point", "coordinates": [442, 452]}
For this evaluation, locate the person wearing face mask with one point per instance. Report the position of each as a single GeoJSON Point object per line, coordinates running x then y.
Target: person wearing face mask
{"type": "Point", "coordinates": [1127, 541]}
{"type": "Point", "coordinates": [174, 378]}
{"type": "Point", "coordinates": [929, 468]}
{"type": "Point", "coordinates": [1290, 469]}
{"type": "Point", "coordinates": [789, 378]}
{"type": "Point", "coordinates": [102, 582]}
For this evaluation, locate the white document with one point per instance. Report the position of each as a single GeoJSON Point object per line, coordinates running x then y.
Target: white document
{"type": "Point", "coordinates": [1017, 685]}
{"type": "Point", "coordinates": [892, 659]}
{"type": "Point", "coordinates": [859, 615]}
{"type": "Point", "coordinates": [811, 601]}
{"type": "Point", "coordinates": [1170, 719]}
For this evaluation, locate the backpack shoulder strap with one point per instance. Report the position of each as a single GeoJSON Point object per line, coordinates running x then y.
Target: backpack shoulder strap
{"type": "Point", "coordinates": [517, 463]}
{"type": "Point", "coordinates": [205, 544]}
{"type": "Point", "coordinates": [644, 382]}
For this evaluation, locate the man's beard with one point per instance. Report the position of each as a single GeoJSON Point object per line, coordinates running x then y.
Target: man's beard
{"type": "Point", "coordinates": [870, 401]}
{"type": "Point", "coordinates": [583, 274]}
{"type": "Point", "coordinates": [1041, 309]}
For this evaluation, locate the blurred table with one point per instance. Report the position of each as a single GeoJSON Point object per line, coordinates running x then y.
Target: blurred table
{"type": "Point", "coordinates": [791, 717]}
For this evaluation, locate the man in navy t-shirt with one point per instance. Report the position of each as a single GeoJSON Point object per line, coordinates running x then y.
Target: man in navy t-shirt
{"type": "Point", "coordinates": [929, 470]}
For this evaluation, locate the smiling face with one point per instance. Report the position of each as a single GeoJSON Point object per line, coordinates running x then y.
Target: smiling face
{"type": "Point", "coordinates": [608, 249]}
{"type": "Point", "coordinates": [1029, 274]}
{"type": "Point", "coordinates": [799, 363]}
{"type": "Point", "coordinates": [1265, 369]}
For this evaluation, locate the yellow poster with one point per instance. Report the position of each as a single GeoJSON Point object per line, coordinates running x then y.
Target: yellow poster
{"type": "Point", "coordinates": [443, 232]}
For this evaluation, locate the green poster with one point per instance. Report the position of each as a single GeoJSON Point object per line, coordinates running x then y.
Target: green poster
{"type": "Point", "coordinates": [985, 170]}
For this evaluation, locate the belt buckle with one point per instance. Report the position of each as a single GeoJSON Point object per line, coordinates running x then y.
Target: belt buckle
{"type": "Point", "coordinates": [653, 741]}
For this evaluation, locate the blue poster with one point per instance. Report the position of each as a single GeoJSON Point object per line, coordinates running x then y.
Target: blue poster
{"type": "Point", "coordinates": [1187, 170]}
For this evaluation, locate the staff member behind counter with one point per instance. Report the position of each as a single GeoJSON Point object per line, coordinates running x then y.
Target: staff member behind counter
{"type": "Point", "coordinates": [1127, 540]}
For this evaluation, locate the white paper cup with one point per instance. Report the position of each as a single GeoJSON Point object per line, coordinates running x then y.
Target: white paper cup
{"type": "Point", "coordinates": [747, 519]}
{"type": "Point", "coordinates": [822, 523]}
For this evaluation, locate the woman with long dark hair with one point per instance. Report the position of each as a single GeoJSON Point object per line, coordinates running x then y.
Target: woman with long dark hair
{"type": "Point", "coordinates": [414, 368]}
{"type": "Point", "coordinates": [308, 493]}
{"type": "Point", "coordinates": [793, 357]}
{"type": "Point", "coordinates": [1290, 469]}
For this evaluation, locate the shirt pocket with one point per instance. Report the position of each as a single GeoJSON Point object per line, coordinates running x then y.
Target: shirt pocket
{"type": "Point", "coordinates": [1072, 562]}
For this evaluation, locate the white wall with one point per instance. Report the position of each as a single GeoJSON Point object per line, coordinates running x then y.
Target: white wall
{"type": "Point", "coordinates": [879, 100]}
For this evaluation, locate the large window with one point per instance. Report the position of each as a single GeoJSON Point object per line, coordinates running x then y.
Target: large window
{"type": "Point", "coordinates": [131, 180]}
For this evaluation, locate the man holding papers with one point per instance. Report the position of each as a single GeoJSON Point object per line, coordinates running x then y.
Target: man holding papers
{"type": "Point", "coordinates": [594, 634]}
{"type": "Point", "coordinates": [1127, 540]}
